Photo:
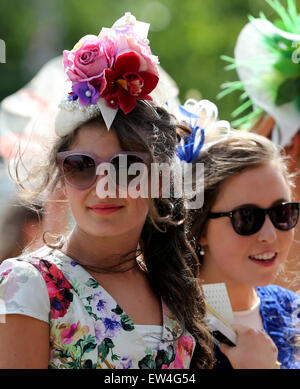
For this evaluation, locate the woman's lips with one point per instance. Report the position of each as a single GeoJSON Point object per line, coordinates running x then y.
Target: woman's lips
{"type": "Point", "coordinates": [265, 259]}
{"type": "Point", "coordinates": [105, 209]}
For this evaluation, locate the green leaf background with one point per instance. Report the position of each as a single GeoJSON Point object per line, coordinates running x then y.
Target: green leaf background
{"type": "Point", "coordinates": [188, 36]}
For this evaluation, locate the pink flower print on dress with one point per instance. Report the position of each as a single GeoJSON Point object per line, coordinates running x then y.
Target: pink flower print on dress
{"type": "Point", "coordinates": [184, 352]}
{"type": "Point", "coordinates": [11, 288]}
{"type": "Point", "coordinates": [73, 333]}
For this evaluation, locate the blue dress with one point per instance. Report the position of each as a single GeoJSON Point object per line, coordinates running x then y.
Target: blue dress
{"type": "Point", "coordinates": [280, 313]}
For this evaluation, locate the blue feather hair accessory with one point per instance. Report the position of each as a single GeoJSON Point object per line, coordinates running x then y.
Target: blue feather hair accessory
{"type": "Point", "coordinates": [201, 117]}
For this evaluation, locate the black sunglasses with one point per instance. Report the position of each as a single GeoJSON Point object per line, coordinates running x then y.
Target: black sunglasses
{"type": "Point", "coordinates": [249, 219]}
{"type": "Point", "coordinates": [80, 168]}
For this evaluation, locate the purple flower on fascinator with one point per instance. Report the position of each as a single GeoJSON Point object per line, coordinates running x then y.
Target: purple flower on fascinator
{"type": "Point", "coordinates": [72, 96]}
{"type": "Point", "coordinates": [87, 93]}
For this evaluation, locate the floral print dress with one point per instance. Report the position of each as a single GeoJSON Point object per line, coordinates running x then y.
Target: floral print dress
{"type": "Point", "coordinates": [88, 329]}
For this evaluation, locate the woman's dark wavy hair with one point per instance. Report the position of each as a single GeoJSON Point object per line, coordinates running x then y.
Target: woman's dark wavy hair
{"type": "Point", "coordinates": [168, 257]}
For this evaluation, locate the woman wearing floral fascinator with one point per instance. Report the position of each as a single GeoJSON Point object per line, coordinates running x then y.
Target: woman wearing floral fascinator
{"type": "Point", "coordinates": [110, 294]}
{"type": "Point", "coordinates": [107, 296]}
{"type": "Point", "coordinates": [244, 230]}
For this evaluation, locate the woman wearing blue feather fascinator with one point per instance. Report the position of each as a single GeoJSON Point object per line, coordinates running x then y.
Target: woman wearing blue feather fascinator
{"type": "Point", "coordinates": [243, 232]}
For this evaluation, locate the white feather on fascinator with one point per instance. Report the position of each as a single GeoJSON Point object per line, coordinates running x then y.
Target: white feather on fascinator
{"type": "Point", "coordinates": [206, 130]}
{"type": "Point", "coordinates": [202, 118]}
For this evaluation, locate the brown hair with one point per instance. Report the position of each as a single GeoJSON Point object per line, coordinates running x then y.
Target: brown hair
{"type": "Point", "coordinates": [14, 220]}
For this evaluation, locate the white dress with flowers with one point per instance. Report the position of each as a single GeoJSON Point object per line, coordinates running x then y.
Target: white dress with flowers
{"type": "Point", "coordinates": [88, 329]}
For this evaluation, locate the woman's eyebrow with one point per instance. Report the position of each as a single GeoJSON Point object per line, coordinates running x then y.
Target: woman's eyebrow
{"type": "Point", "coordinates": [245, 205]}
{"type": "Point", "coordinates": [276, 202]}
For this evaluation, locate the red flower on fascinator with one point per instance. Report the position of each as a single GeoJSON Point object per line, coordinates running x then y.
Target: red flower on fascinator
{"type": "Point", "coordinates": [126, 84]}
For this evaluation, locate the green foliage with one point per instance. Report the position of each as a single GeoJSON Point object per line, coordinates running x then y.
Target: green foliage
{"type": "Point", "coordinates": [188, 36]}
{"type": "Point", "coordinates": [105, 347]}
{"type": "Point", "coordinates": [288, 91]}
{"type": "Point", "coordinates": [92, 283]}
{"type": "Point", "coordinates": [126, 323]}
{"type": "Point", "coordinates": [90, 311]}
{"type": "Point", "coordinates": [287, 67]}
{"type": "Point", "coordinates": [118, 310]}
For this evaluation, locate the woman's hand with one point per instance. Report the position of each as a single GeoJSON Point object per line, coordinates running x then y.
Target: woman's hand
{"type": "Point", "coordinates": [254, 350]}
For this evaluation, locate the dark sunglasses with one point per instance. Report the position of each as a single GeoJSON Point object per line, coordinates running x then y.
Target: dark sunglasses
{"type": "Point", "coordinates": [80, 168]}
{"type": "Point", "coordinates": [250, 219]}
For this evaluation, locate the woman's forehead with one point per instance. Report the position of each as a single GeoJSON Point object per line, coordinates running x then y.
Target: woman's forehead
{"type": "Point", "coordinates": [261, 186]}
{"type": "Point", "coordinates": [95, 137]}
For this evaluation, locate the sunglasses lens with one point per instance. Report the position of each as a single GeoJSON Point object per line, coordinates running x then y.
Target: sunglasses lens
{"type": "Point", "coordinates": [247, 221]}
{"type": "Point", "coordinates": [127, 167]}
{"type": "Point", "coordinates": [79, 170]}
{"type": "Point", "coordinates": [285, 216]}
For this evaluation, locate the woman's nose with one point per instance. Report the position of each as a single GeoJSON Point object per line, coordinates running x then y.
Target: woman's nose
{"type": "Point", "coordinates": [268, 232]}
{"type": "Point", "coordinates": [104, 187]}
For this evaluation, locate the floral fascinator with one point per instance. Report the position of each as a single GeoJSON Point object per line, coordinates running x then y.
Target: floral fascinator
{"type": "Point", "coordinates": [108, 72]}
{"type": "Point", "coordinates": [202, 119]}
{"type": "Point", "coordinates": [267, 60]}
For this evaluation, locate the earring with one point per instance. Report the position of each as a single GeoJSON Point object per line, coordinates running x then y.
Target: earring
{"type": "Point", "coordinates": [201, 250]}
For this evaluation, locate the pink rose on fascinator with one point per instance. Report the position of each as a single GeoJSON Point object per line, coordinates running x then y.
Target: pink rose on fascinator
{"type": "Point", "coordinates": [149, 61]}
{"type": "Point", "coordinates": [88, 59]}
{"type": "Point", "coordinates": [126, 40]}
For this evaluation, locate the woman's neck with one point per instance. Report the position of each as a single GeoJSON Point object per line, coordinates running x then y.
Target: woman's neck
{"type": "Point", "coordinates": [100, 253]}
{"type": "Point", "coordinates": [242, 296]}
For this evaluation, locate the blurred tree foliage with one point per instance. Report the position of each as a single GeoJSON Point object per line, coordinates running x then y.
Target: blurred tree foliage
{"type": "Point", "coordinates": [189, 36]}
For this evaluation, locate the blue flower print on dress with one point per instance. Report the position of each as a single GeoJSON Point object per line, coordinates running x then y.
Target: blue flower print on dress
{"type": "Point", "coordinates": [111, 326]}
{"type": "Point", "coordinates": [124, 363]}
